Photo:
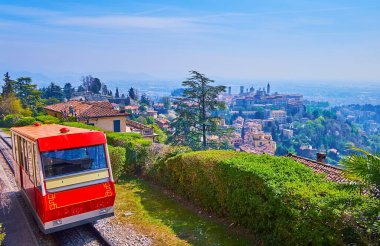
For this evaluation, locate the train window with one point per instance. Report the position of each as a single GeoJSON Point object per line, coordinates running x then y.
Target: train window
{"type": "Point", "coordinates": [37, 168]}
{"type": "Point", "coordinates": [30, 158]}
{"type": "Point", "coordinates": [24, 155]}
{"type": "Point", "coordinates": [71, 161]}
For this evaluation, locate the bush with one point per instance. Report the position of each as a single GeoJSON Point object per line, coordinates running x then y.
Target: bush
{"type": "Point", "coordinates": [2, 234]}
{"type": "Point", "coordinates": [118, 159]}
{"type": "Point", "coordinates": [11, 119]}
{"type": "Point", "coordinates": [26, 121]}
{"type": "Point", "coordinates": [135, 145]}
{"type": "Point", "coordinates": [82, 125]}
{"type": "Point", "coordinates": [276, 198]}
{"type": "Point", "coordinates": [48, 119]}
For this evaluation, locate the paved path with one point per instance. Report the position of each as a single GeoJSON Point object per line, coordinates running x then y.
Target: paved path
{"type": "Point", "coordinates": [17, 228]}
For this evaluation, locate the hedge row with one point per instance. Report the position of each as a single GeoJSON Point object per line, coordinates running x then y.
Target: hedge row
{"type": "Point", "coordinates": [82, 125]}
{"type": "Point", "coordinates": [278, 199]}
{"type": "Point", "coordinates": [136, 148]}
{"type": "Point", "coordinates": [118, 161]}
{"type": "Point", "coordinates": [19, 120]}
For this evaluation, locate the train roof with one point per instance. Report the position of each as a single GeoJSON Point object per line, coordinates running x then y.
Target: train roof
{"type": "Point", "coordinates": [34, 133]}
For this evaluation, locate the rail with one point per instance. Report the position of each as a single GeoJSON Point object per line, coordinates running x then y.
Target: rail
{"type": "Point", "coordinates": [4, 145]}
{"type": "Point", "coordinates": [81, 235]}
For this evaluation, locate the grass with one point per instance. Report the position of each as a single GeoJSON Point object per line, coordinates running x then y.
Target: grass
{"type": "Point", "coordinates": [6, 130]}
{"type": "Point", "coordinates": [157, 215]}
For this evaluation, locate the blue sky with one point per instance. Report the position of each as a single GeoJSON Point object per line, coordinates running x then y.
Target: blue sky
{"type": "Point", "coordinates": [243, 40]}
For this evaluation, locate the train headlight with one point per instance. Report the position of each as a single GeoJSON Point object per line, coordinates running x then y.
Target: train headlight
{"type": "Point", "coordinates": [57, 222]}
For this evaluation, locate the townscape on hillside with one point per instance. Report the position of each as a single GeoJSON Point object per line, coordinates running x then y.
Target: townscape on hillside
{"type": "Point", "coordinates": [254, 120]}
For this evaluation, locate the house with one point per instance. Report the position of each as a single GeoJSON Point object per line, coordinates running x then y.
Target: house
{"type": "Point", "coordinates": [145, 131]}
{"type": "Point", "coordinates": [287, 133]}
{"type": "Point", "coordinates": [134, 109]}
{"type": "Point", "coordinates": [163, 124]}
{"type": "Point", "coordinates": [333, 173]}
{"type": "Point", "coordinates": [152, 113]}
{"type": "Point", "coordinates": [97, 113]}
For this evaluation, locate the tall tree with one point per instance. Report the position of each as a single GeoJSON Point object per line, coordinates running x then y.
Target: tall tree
{"type": "Point", "coordinates": [86, 82]}
{"type": "Point", "coordinates": [53, 91]}
{"type": "Point", "coordinates": [28, 93]}
{"type": "Point", "coordinates": [145, 99]}
{"type": "Point", "coordinates": [132, 94]}
{"type": "Point", "coordinates": [105, 89]}
{"type": "Point", "coordinates": [9, 85]}
{"type": "Point", "coordinates": [117, 93]}
{"type": "Point", "coordinates": [81, 88]}
{"type": "Point", "coordinates": [68, 90]}
{"type": "Point", "coordinates": [95, 85]}
{"type": "Point", "coordinates": [195, 120]}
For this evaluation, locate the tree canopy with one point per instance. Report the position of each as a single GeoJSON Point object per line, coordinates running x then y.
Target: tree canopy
{"type": "Point", "coordinates": [195, 120]}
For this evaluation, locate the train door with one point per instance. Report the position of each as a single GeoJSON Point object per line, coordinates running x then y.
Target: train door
{"type": "Point", "coordinates": [17, 156]}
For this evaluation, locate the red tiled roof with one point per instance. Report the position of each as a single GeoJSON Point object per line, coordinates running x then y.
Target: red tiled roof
{"type": "Point", "coordinates": [90, 109]}
{"type": "Point", "coordinates": [333, 173]}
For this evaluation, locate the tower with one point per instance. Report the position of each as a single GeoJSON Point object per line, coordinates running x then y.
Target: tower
{"type": "Point", "coordinates": [229, 90]}
{"type": "Point", "coordinates": [241, 90]}
{"type": "Point", "coordinates": [268, 88]}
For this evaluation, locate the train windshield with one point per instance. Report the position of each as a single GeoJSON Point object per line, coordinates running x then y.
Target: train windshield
{"type": "Point", "coordinates": [71, 161]}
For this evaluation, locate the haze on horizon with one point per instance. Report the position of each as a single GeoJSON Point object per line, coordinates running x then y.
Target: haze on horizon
{"type": "Point", "coordinates": [274, 40]}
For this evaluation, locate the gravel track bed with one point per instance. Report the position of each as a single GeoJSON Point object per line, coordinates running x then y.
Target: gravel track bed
{"type": "Point", "coordinates": [119, 234]}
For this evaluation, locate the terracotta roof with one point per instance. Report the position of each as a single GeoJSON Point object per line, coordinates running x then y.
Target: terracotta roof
{"type": "Point", "coordinates": [333, 173]}
{"type": "Point", "coordinates": [89, 109]}
{"type": "Point", "coordinates": [136, 124]}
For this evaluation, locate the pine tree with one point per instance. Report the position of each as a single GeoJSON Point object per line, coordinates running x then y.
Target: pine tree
{"type": "Point", "coordinates": [117, 93]}
{"type": "Point", "coordinates": [195, 120]}
{"type": "Point", "coordinates": [9, 85]}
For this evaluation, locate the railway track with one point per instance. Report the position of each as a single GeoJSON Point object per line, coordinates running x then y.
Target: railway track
{"type": "Point", "coordinates": [6, 151]}
{"type": "Point", "coordinates": [81, 235]}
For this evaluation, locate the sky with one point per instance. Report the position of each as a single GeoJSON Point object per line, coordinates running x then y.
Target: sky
{"type": "Point", "coordinates": [300, 40]}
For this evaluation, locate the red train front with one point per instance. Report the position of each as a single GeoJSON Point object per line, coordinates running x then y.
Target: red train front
{"type": "Point", "coordinates": [64, 173]}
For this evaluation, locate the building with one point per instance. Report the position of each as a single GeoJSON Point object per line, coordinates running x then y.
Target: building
{"type": "Point", "coordinates": [145, 131]}
{"type": "Point", "coordinates": [152, 113]}
{"type": "Point", "coordinates": [279, 116]}
{"type": "Point", "coordinates": [333, 173]}
{"type": "Point", "coordinates": [134, 109]}
{"type": "Point", "coordinates": [97, 113]}
{"type": "Point", "coordinates": [163, 124]}
{"type": "Point", "coordinates": [287, 133]}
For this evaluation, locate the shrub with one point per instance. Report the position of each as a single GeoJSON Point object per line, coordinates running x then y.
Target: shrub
{"type": "Point", "coordinates": [135, 145]}
{"type": "Point", "coordinates": [48, 119]}
{"type": "Point", "coordinates": [278, 199]}
{"type": "Point", "coordinates": [82, 125]}
{"type": "Point", "coordinates": [2, 234]}
{"type": "Point", "coordinates": [11, 119]}
{"type": "Point", "coordinates": [26, 121]}
{"type": "Point", "coordinates": [118, 158]}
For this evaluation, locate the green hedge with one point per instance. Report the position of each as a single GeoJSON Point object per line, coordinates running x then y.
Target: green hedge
{"type": "Point", "coordinates": [278, 199]}
{"type": "Point", "coordinates": [82, 125]}
{"type": "Point", "coordinates": [11, 119]}
{"type": "Point", "coordinates": [26, 121]}
{"type": "Point", "coordinates": [2, 234]}
{"type": "Point", "coordinates": [135, 145]}
{"type": "Point", "coordinates": [48, 119]}
{"type": "Point", "coordinates": [118, 158]}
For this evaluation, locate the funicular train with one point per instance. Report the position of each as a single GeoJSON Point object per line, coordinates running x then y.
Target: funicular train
{"type": "Point", "coordinates": [64, 174]}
